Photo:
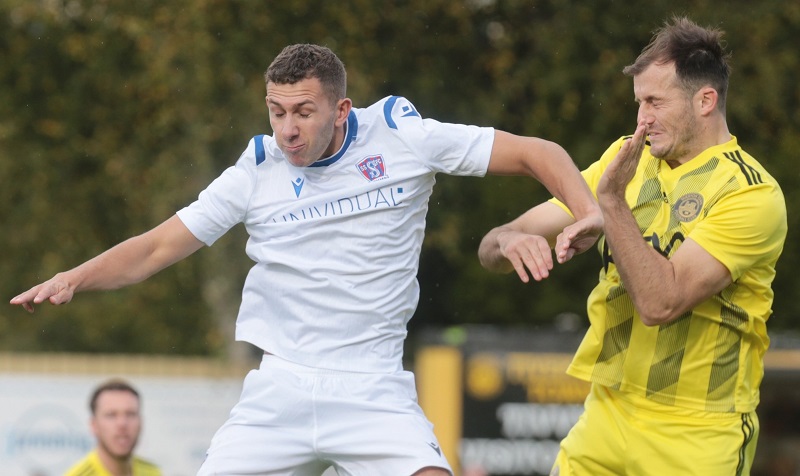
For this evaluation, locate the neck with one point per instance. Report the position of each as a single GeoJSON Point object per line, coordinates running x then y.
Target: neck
{"type": "Point", "coordinates": [718, 132]}
{"type": "Point", "coordinates": [336, 141]}
{"type": "Point", "coordinates": [116, 466]}
{"type": "Point", "coordinates": [709, 134]}
{"type": "Point", "coordinates": [338, 138]}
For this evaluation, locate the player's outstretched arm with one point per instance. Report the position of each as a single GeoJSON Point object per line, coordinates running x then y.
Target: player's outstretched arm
{"type": "Point", "coordinates": [548, 163]}
{"type": "Point", "coordinates": [129, 262]}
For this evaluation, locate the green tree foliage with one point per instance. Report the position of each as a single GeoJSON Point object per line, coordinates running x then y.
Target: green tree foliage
{"type": "Point", "coordinates": [115, 114]}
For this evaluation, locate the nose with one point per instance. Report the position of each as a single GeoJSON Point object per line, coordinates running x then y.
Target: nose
{"type": "Point", "coordinates": [289, 128]}
{"type": "Point", "coordinates": [645, 114]}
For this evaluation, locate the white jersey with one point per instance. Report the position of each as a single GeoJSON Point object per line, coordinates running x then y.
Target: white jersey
{"type": "Point", "coordinates": [337, 244]}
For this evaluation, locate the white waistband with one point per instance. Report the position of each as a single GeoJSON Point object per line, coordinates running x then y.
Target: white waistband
{"type": "Point", "coordinates": [275, 362]}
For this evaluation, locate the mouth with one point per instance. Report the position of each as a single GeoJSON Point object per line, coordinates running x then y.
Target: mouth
{"type": "Point", "coordinates": [121, 447]}
{"type": "Point", "coordinates": [293, 150]}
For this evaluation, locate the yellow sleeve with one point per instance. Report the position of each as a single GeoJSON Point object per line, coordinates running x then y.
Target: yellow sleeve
{"type": "Point", "coordinates": [744, 229]}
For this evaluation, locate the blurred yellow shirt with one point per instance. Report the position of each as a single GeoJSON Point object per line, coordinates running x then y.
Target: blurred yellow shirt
{"type": "Point", "coordinates": [91, 466]}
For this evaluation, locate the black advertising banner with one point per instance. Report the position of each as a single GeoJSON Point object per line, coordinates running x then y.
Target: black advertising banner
{"type": "Point", "coordinates": [515, 401]}
{"type": "Point", "coordinates": [518, 402]}
{"type": "Point", "coordinates": [501, 401]}
{"type": "Point", "coordinates": [517, 407]}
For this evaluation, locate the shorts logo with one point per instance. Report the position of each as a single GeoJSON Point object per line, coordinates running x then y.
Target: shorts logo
{"type": "Point", "coordinates": [372, 168]}
{"type": "Point", "coordinates": [688, 207]}
{"type": "Point", "coordinates": [435, 448]}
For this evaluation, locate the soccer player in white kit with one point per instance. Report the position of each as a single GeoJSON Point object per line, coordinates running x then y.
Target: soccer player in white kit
{"type": "Point", "coordinates": [334, 203]}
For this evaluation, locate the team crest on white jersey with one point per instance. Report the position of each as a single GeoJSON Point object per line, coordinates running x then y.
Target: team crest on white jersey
{"type": "Point", "coordinates": [372, 167]}
{"type": "Point", "coordinates": [688, 207]}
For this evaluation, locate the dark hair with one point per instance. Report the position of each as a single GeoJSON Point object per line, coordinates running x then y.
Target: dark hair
{"type": "Point", "coordinates": [302, 61]}
{"type": "Point", "coordinates": [698, 53]}
{"type": "Point", "coordinates": [110, 385]}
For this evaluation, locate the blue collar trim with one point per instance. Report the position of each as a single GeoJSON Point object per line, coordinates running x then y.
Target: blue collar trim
{"type": "Point", "coordinates": [349, 137]}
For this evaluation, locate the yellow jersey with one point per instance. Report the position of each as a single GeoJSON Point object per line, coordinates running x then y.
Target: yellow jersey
{"type": "Point", "coordinates": [710, 358]}
{"type": "Point", "coordinates": [91, 466]}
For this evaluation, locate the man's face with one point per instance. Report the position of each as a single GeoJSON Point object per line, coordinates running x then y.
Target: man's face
{"type": "Point", "coordinates": [668, 112]}
{"type": "Point", "coordinates": [116, 423]}
{"type": "Point", "coordinates": [304, 120]}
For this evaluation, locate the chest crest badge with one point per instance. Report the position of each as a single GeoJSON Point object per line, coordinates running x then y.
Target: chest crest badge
{"type": "Point", "coordinates": [688, 207]}
{"type": "Point", "coordinates": [372, 167]}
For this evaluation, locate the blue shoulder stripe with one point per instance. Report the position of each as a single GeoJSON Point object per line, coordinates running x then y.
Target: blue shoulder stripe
{"type": "Point", "coordinates": [387, 111]}
{"type": "Point", "coordinates": [261, 155]}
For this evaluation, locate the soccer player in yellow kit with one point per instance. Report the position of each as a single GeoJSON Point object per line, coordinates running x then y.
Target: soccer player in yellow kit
{"type": "Point", "coordinates": [116, 424]}
{"type": "Point", "coordinates": [694, 226]}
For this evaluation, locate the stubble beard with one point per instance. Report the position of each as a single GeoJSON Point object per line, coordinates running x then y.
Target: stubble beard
{"type": "Point", "coordinates": [682, 140]}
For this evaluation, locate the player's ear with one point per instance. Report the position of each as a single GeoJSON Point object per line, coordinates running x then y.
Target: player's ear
{"type": "Point", "coordinates": [343, 107]}
{"type": "Point", "coordinates": [707, 98]}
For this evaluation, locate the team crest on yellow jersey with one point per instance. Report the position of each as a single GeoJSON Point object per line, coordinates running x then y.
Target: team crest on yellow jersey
{"type": "Point", "coordinates": [688, 207]}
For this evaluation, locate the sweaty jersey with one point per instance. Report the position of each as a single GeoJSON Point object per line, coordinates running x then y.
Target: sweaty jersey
{"type": "Point", "coordinates": [710, 358]}
{"type": "Point", "coordinates": [91, 466]}
{"type": "Point", "coordinates": [337, 244]}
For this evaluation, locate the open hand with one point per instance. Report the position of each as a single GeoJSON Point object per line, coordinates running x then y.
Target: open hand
{"type": "Point", "coordinates": [526, 253]}
{"type": "Point", "coordinates": [578, 237]}
{"type": "Point", "coordinates": [621, 170]}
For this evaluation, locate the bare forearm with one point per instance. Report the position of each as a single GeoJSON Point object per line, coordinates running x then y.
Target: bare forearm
{"type": "Point", "coordinates": [548, 163]}
{"type": "Point", "coordinates": [127, 263]}
{"type": "Point", "coordinates": [490, 253]}
{"type": "Point", "coordinates": [648, 276]}
{"type": "Point", "coordinates": [526, 244]}
{"type": "Point", "coordinates": [564, 181]}
{"type": "Point", "coordinates": [570, 187]}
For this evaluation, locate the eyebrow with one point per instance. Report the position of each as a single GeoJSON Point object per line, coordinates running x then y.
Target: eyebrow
{"type": "Point", "coordinates": [648, 98]}
{"type": "Point", "coordinates": [296, 106]}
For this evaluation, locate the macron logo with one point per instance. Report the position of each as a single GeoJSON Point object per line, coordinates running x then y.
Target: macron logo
{"type": "Point", "coordinates": [436, 448]}
{"type": "Point", "coordinates": [298, 186]}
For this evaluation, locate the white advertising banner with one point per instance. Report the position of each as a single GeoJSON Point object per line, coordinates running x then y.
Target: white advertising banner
{"type": "Point", "coordinates": [44, 420]}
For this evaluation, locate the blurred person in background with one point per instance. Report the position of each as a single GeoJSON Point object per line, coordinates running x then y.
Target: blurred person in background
{"type": "Point", "coordinates": [694, 226]}
{"type": "Point", "coordinates": [116, 424]}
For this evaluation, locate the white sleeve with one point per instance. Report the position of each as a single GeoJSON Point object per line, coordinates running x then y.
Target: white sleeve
{"type": "Point", "coordinates": [224, 202]}
{"type": "Point", "coordinates": [454, 149]}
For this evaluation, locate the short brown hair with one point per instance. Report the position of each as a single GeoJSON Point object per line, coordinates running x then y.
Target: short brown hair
{"type": "Point", "coordinates": [302, 61]}
{"type": "Point", "coordinates": [110, 385]}
{"type": "Point", "coordinates": [698, 53]}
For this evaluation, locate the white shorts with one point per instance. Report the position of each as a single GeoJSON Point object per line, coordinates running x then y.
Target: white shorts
{"type": "Point", "coordinates": [294, 420]}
